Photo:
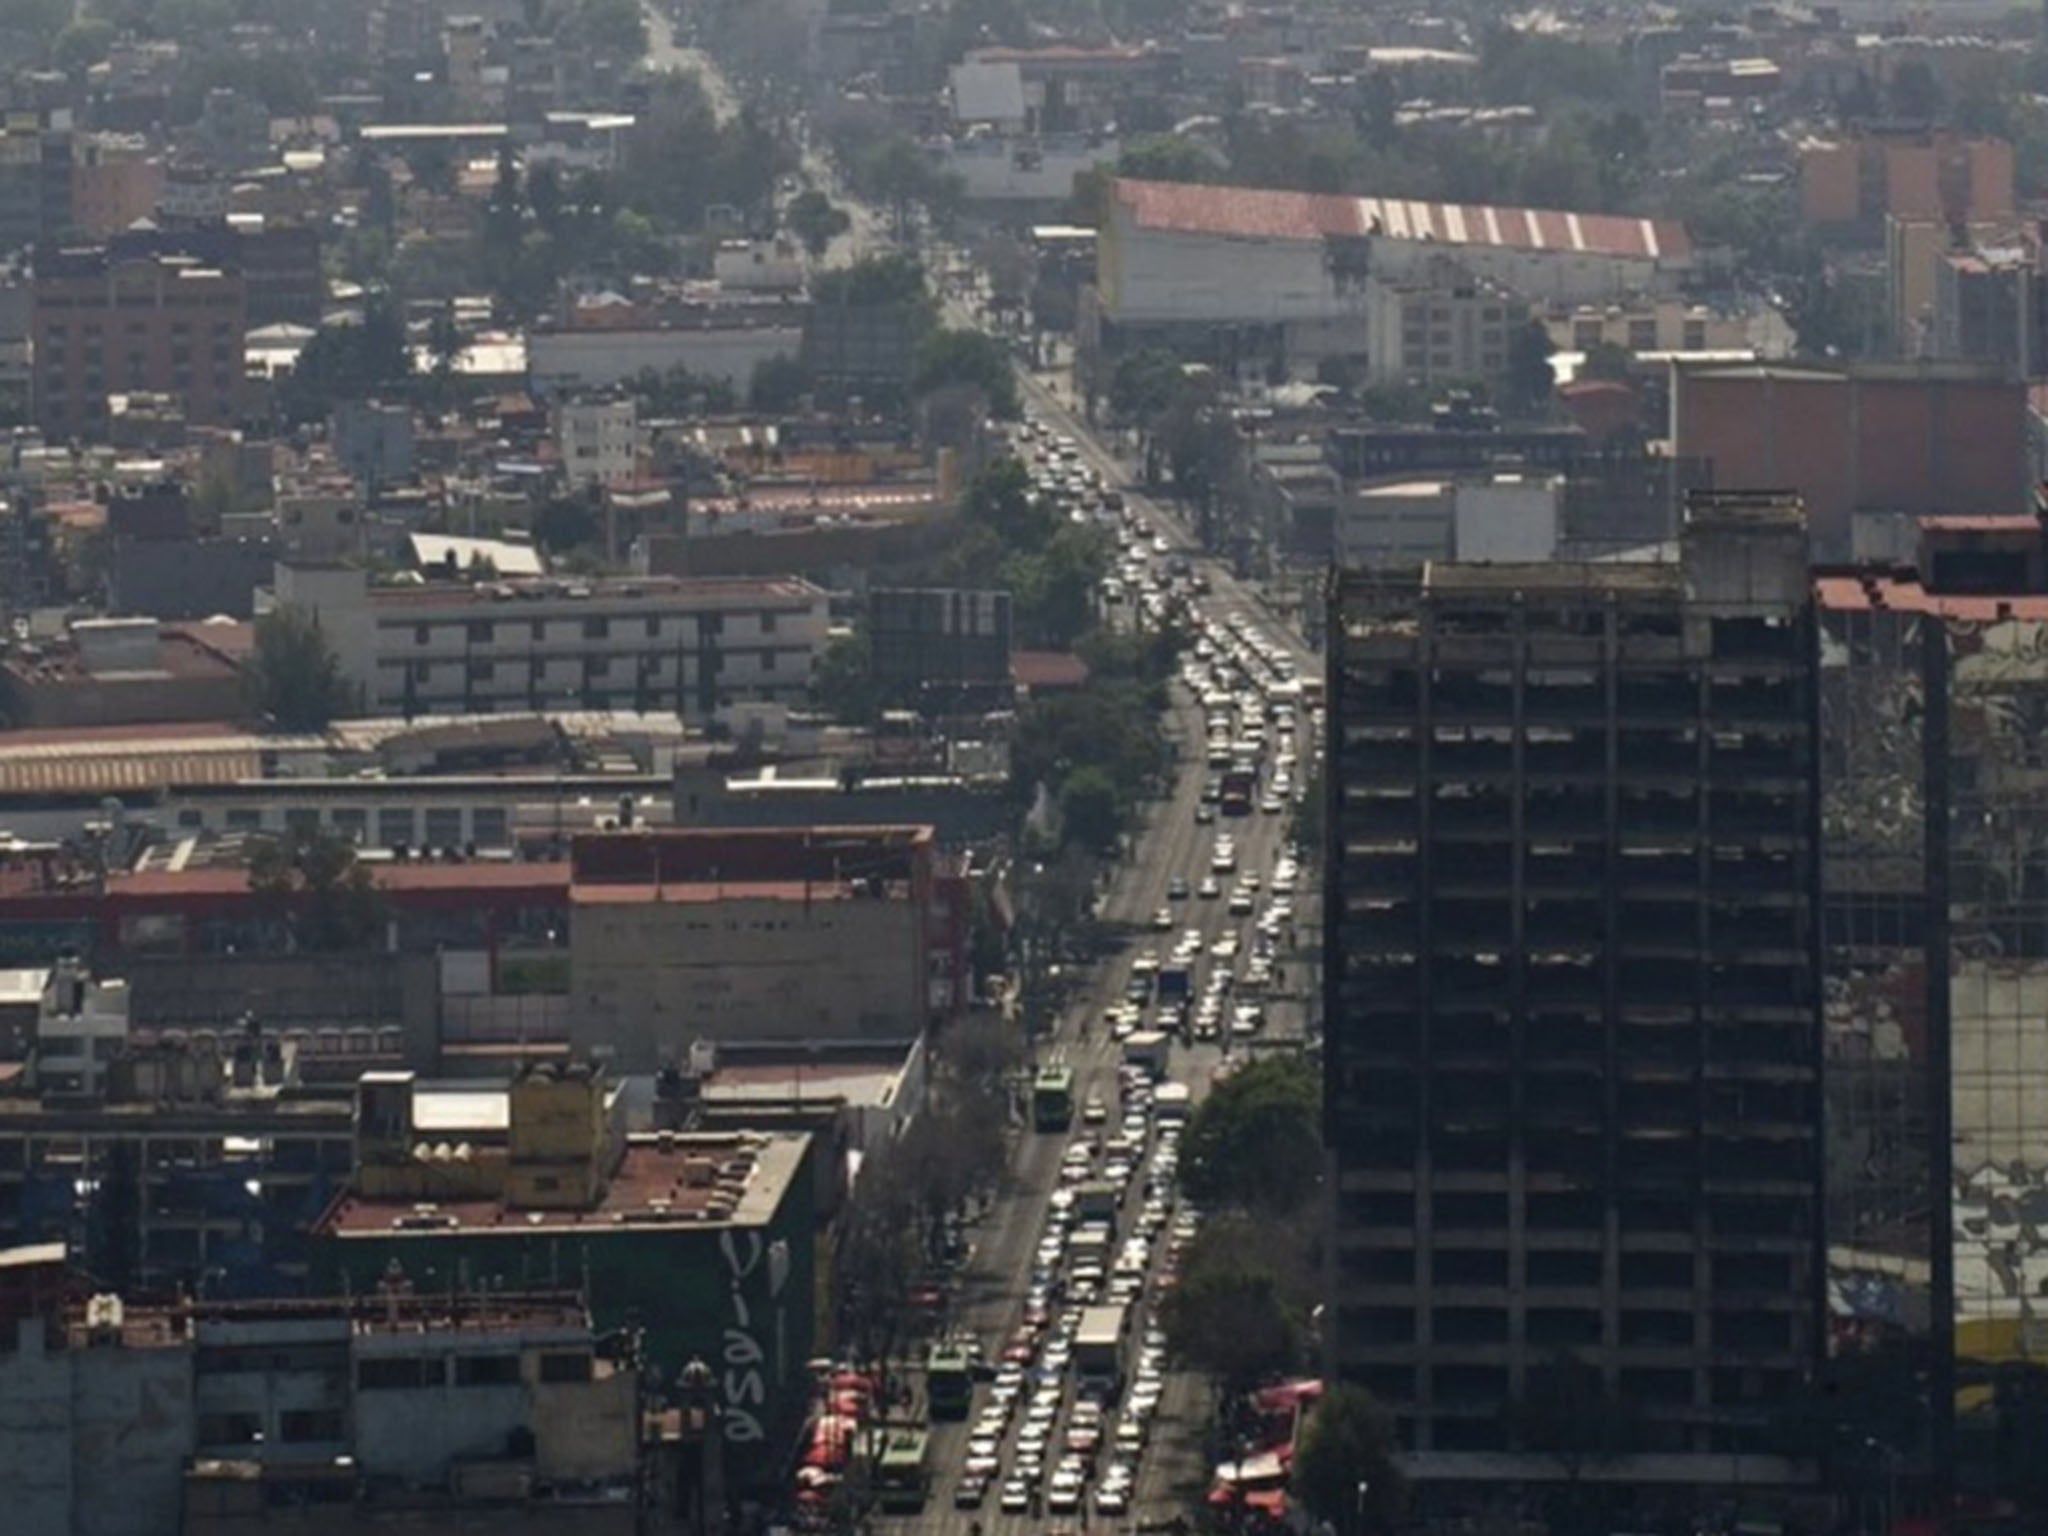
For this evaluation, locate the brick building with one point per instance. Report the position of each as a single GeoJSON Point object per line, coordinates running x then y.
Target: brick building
{"type": "Point", "coordinates": [153, 323]}
{"type": "Point", "coordinates": [1869, 447]}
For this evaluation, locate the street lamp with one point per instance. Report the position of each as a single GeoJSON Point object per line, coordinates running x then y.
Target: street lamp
{"type": "Point", "coordinates": [1364, 1488]}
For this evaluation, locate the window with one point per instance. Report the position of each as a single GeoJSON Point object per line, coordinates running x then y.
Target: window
{"type": "Point", "coordinates": [241, 818]}
{"type": "Point", "coordinates": [394, 825]}
{"type": "Point", "coordinates": [351, 822]}
{"type": "Point", "coordinates": [710, 624]}
{"type": "Point", "coordinates": [653, 628]}
{"type": "Point", "coordinates": [540, 630]}
{"type": "Point", "coordinates": [230, 1428]}
{"type": "Point", "coordinates": [486, 1370]}
{"type": "Point", "coordinates": [479, 631]}
{"type": "Point", "coordinates": [421, 633]}
{"type": "Point", "coordinates": [190, 819]}
{"type": "Point", "coordinates": [482, 671]}
{"type": "Point", "coordinates": [767, 623]}
{"type": "Point", "coordinates": [1642, 335]}
{"type": "Point", "coordinates": [1585, 335]}
{"type": "Point", "coordinates": [563, 1367]}
{"type": "Point", "coordinates": [297, 1426]}
{"type": "Point", "coordinates": [1695, 339]}
{"type": "Point", "coordinates": [489, 826]}
{"type": "Point", "coordinates": [597, 666]}
{"type": "Point", "coordinates": [422, 671]}
{"type": "Point", "coordinates": [767, 661]}
{"type": "Point", "coordinates": [597, 629]}
{"type": "Point", "coordinates": [303, 819]}
{"type": "Point", "coordinates": [397, 1374]}
{"type": "Point", "coordinates": [444, 826]}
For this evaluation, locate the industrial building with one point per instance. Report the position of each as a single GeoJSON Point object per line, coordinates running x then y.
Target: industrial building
{"type": "Point", "coordinates": [1572, 1055]}
{"type": "Point", "coordinates": [704, 1242]}
{"type": "Point", "coordinates": [1286, 274]}
{"type": "Point", "coordinates": [216, 1417]}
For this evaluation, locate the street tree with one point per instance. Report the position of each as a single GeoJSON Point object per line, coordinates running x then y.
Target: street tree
{"type": "Point", "coordinates": [1346, 1470]}
{"type": "Point", "coordinates": [947, 357]}
{"type": "Point", "coordinates": [293, 679]}
{"type": "Point", "coordinates": [843, 681]}
{"type": "Point", "coordinates": [1091, 815]}
{"type": "Point", "coordinates": [325, 895]}
{"type": "Point", "coordinates": [816, 221]}
{"type": "Point", "coordinates": [1254, 1142]}
{"type": "Point", "coordinates": [1233, 1315]}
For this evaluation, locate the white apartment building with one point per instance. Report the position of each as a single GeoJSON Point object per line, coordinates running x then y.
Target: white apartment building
{"type": "Point", "coordinates": [599, 440]}
{"type": "Point", "coordinates": [81, 1025]}
{"type": "Point", "coordinates": [1441, 325]}
{"type": "Point", "coordinates": [693, 645]}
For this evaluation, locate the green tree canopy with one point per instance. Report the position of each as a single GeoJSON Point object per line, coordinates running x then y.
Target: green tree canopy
{"type": "Point", "coordinates": [891, 279]}
{"type": "Point", "coordinates": [816, 221]}
{"type": "Point", "coordinates": [349, 360]}
{"type": "Point", "coordinates": [328, 898]}
{"type": "Point", "coordinates": [1090, 812]}
{"type": "Point", "coordinates": [1345, 1469]}
{"type": "Point", "coordinates": [292, 678]}
{"type": "Point", "coordinates": [1254, 1143]}
{"type": "Point", "coordinates": [843, 681]}
{"type": "Point", "coordinates": [1233, 1314]}
{"type": "Point", "coordinates": [968, 357]}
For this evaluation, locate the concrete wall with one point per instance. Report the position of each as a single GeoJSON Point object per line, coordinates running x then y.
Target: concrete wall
{"type": "Point", "coordinates": [588, 359]}
{"type": "Point", "coordinates": [1509, 518]}
{"type": "Point", "coordinates": [649, 977]}
{"type": "Point", "coordinates": [1150, 276]}
{"type": "Point", "coordinates": [93, 1441]}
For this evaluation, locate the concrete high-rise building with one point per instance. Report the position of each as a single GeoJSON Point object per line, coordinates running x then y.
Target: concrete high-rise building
{"type": "Point", "coordinates": [1573, 1008]}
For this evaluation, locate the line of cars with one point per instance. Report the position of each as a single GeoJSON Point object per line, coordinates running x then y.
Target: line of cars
{"type": "Point", "coordinates": [1081, 1431]}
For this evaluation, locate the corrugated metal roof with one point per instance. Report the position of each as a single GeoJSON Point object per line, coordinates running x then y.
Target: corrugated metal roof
{"type": "Point", "coordinates": [1260, 214]}
{"type": "Point", "coordinates": [33, 772]}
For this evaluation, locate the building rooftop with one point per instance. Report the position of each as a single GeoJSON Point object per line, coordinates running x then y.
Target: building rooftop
{"type": "Point", "coordinates": [663, 1180]}
{"type": "Point", "coordinates": [1254, 214]}
{"type": "Point", "coordinates": [707, 589]}
{"type": "Point", "coordinates": [1456, 576]}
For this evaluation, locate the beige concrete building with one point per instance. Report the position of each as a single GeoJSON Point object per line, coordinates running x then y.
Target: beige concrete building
{"type": "Point", "coordinates": [804, 934]}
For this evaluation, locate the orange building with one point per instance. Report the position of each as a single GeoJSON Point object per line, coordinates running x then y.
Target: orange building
{"type": "Point", "coordinates": [1918, 176]}
{"type": "Point", "coordinates": [115, 180]}
{"type": "Point", "coordinates": [1870, 440]}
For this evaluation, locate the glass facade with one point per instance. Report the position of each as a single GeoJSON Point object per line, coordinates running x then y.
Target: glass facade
{"type": "Point", "coordinates": [1934, 734]}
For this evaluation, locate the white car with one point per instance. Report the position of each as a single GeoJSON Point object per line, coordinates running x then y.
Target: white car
{"type": "Point", "coordinates": [1015, 1498]}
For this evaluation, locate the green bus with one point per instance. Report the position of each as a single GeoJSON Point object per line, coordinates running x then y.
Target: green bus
{"type": "Point", "coordinates": [903, 1474]}
{"type": "Point", "coordinates": [1052, 1098]}
{"type": "Point", "coordinates": [949, 1381]}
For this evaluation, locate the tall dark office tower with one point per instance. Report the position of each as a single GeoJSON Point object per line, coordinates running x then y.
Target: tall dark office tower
{"type": "Point", "coordinates": [1573, 1008]}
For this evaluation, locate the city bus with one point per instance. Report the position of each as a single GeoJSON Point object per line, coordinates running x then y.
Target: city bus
{"type": "Point", "coordinates": [949, 1381]}
{"type": "Point", "coordinates": [1052, 1098]}
{"type": "Point", "coordinates": [903, 1474]}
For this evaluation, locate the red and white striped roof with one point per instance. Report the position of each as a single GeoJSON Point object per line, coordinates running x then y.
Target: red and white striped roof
{"type": "Point", "coordinates": [1251, 213]}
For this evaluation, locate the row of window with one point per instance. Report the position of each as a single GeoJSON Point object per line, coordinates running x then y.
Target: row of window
{"type": "Point", "coordinates": [487, 631]}
{"type": "Point", "coordinates": [593, 666]}
{"type": "Point", "coordinates": [488, 826]}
